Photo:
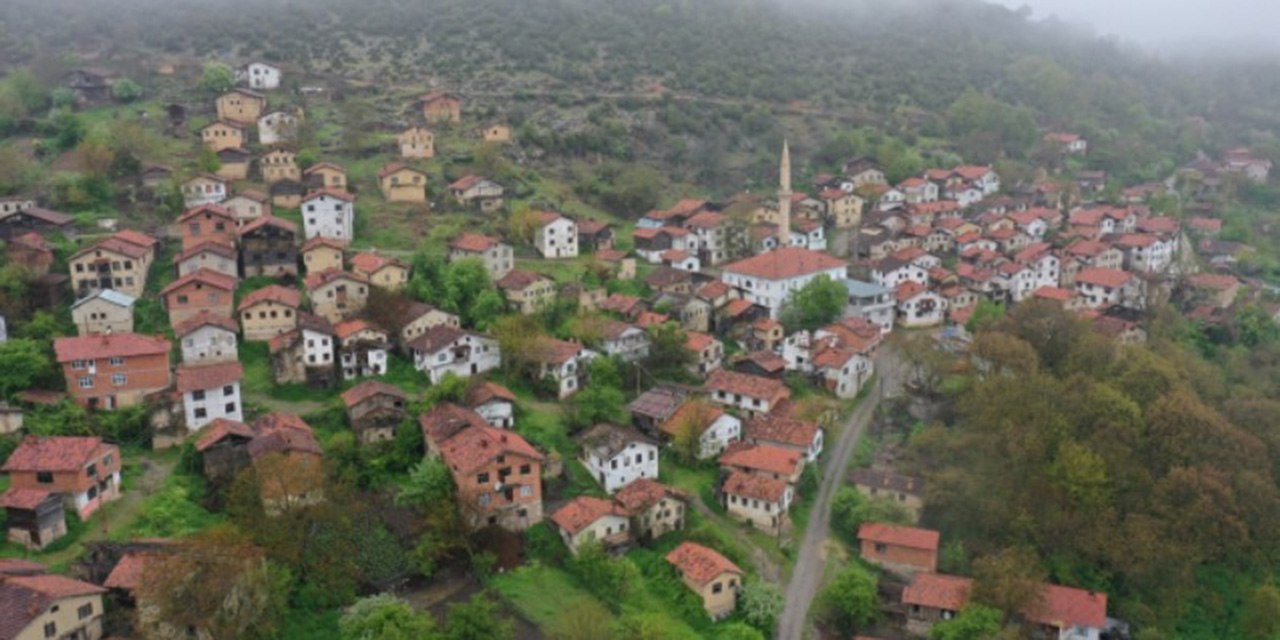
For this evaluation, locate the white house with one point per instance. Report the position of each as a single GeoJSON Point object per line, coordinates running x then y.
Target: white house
{"type": "Point", "coordinates": [625, 341]}
{"type": "Point", "coordinates": [617, 456]}
{"type": "Point", "coordinates": [556, 236]}
{"type": "Point", "coordinates": [752, 395]}
{"type": "Point", "coordinates": [259, 76]}
{"type": "Point", "coordinates": [891, 199]}
{"type": "Point", "coordinates": [278, 127]}
{"type": "Point", "coordinates": [1099, 288]}
{"type": "Point", "coordinates": [893, 271]}
{"type": "Point", "coordinates": [444, 349]}
{"type": "Point", "coordinates": [982, 177]}
{"type": "Point", "coordinates": [329, 213]}
{"type": "Point", "coordinates": [918, 306]}
{"type": "Point", "coordinates": [871, 302]}
{"type": "Point", "coordinates": [563, 362]}
{"type": "Point", "coordinates": [802, 436]}
{"type": "Point", "coordinates": [770, 278]}
{"type": "Point", "coordinates": [209, 392]}
{"type": "Point", "coordinates": [1018, 279]}
{"type": "Point", "coordinates": [203, 189]}
{"type": "Point", "coordinates": [362, 349]}
{"type": "Point", "coordinates": [493, 402]}
{"type": "Point", "coordinates": [319, 346]}
{"type": "Point", "coordinates": [207, 337]}
{"type": "Point", "coordinates": [1147, 253]}
{"type": "Point", "coordinates": [808, 234]}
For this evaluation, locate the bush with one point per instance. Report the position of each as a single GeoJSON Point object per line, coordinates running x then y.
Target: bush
{"type": "Point", "coordinates": [852, 599]}
{"type": "Point", "coordinates": [543, 544]}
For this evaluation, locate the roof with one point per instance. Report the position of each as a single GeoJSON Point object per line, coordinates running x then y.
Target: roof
{"type": "Point", "coordinates": [127, 574]}
{"type": "Point", "coordinates": [221, 248]}
{"type": "Point", "coordinates": [203, 276]}
{"type": "Point", "coordinates": [208, 376]}
{"type": "Point", "coordinates": [762, 457]}
{"type": "Point", "coordinates": [488, 391]}
{"type": "Point", "coordinates": [755, 487]}
{"type": "Point", "coordinates": [698, 342]}
{"type": "Point", "coordinates": [462, 184]}
{"type": "Point", "coordinates": [1064, 607]}
{"type": "Point", "coordinates": [122, 247]}
{"type": "Point", "coordinates": [284, 440]}
{"type": "Point", "coordinates": [108, 295]}
{"type": "Point", "coordinates": [368, 389]}
{"type": "Point", "coordinates": [519, 279]}
{"type": "Point", "coordinates": [937, 591]}
{"type": "Point", "coordinates": [15, 566]}
{"type": "Point", "coordinates": [908, 290]}
{"type": "Point", "coordinates": [202, 319]}
{"type": "Point", "coordinates": [208, 209]}
{"type": "Point", "coordinates": [790, 431]}
{"type": "Point", "coordinates": [287, 296]}
{"type": "Point", "coordinates": [24, 598]}
{"type": "Point", "coordinates": [1052, 293]}
{"type": "Point", "coordinates": [1220, 282]}
{"type": "Point", "coordinates": [273, 221]}
{"type": "Point", "coordinates": [711, 413]}
{"type": "Point", "coordinates": [659, 403]}
{"type": "Point", "coordinates": [325, 165]}
{"type": "Point", "coordinates": [32, 240]}
{"type": "Point", "coordinates": [912, 537]}
{"type": "Point", "coordinates": [370, 262]}
{"type": "Point", "coordinates": [348, 328]}
{"type": "Point", "coordinates": [1110, 278]}
{"type": "Point", "coordinates": [971, 172]}
{"type": "Point", "coordinates": [621, 303]}
{"type": "Point", "coordinates": [320, 241]}
{"type": "Point", "coordinates": [643, 493]}
{"type": "Point", "coordinates": [436, 338]}
{"type": "Point", "coordinates": [472, 448]}
{"type": "Point", "coordinates": [745, 384]}
{"type": "Point", "coordinates": [446, 420]}
{"type": "Point", "coordinates": [706, 220]}
{"type": "Point", "coordinates": [476, 242]}
{"type": "Point", "coordinates": [700, 564]}
{"type": "Point", "coordinates": [54, 453]}
{"type": "Point", "coordinates": [114, 345]}
{"type": "Point", "coordinates": [219, 429]}
{"type": "Point", "coordinates": [333, 193]}
{"type": "Point", "coordinates": [27, 499]}
{"type": "Point", "coordinates": [714, 289]}
{"type": "Point", "coordinates": [321, 278]}
{"type": "Point", "coordinates": [582, 511]}
{"type": "Point", "coordinates": [608, 440]}
{"type": "Point", "coordinates": [788, 262]}
{"type": "Point", "coordinates": [547, 217]}
{"type": "Point", "coordinates": [47, 215]}
{"type": "Point", "coordinates": [554, 351]}
{"type": "Point", "coordinates": [767, 360]}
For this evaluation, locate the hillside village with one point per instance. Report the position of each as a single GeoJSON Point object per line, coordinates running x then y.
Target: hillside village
{"type": "Point", "coordinates": [517, 401]}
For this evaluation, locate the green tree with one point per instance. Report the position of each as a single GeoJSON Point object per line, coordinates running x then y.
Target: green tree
{"type": "Point", "coordinates": [1009, 580]}
{"type": "Point", "coordinates": [851, 599]}
{"type": "Point", "coordinates": [600, 401]}
{"type": "Point", "coordinates": [668, 356]}
{"type": "Point", "coordinates": [208, 161]}
{"type": "Point", "coordinates": [429, 484]}
{"type": "Point", "coordinates": [477, 619]}
{"type": "Point", "coordinates": [975, 622]}
{"type": "Point", "coordinates": [1262, 613]}
{"type": "Point", "coordinates": [126, 90]}
{"type": "Point", "coordinates": [815, 304]}
{"type": "Point", "coordinates": [761, 603]}
{"type": "Point", "coordinates": [609, 579]}
{"type": "Point", "coordinates": [850, 510]}
{"type": "Point", "coordinates": [21, 363]}
{"type": "Point", "coordinates": [218, 77]}
{"type": "Point", "coordinates": [385, 617]}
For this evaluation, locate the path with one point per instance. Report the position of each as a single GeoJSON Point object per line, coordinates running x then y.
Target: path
{"type": "Point", "coordinates": [806, 576]}
{"type": "Point", "coordinates": [769, 570]}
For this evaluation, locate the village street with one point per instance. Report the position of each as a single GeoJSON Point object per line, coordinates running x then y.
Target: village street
{"type": "Point", "coordinates": [806, 576]}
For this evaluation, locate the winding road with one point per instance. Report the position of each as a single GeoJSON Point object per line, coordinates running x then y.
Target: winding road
{"type": "Point", "coordinates": [806, 577]}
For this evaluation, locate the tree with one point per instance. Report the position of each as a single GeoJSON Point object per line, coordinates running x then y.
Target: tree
{"type": "Point", "coordinates": [523, 223]}
{"type": "Point", "coordinates": [385, 617]}
{"type": "Point", "coordinates": [218, 77]}
{"type": "Point", "coordinates": [600, 401]}
{"type": "Point", "coordinates": [817, 303]}
{"type": "Point", "coordinates": [208, 160]}
{"type": "Point", "coordinates": [738, 631]}
{"type": "Point", "coordinates": [21, 362]}
{"type": "Point", "coordinates": [668, 356]}
{"type": "Point", "coordinates": [689, 425]}
{"type": "Point", "coordinates": [429, 484]}
{"type": "Point", "coordinates": [477, 619]}
{"type": "Point", "coordinates": [1262, 613]}
{"type": "Point", "coordinates": [126, 90]}
{"type": "Point", "coordinates": [852, 600]}
{"type": "Point", "coordinates": [609, 579]}
{"type": "Point", "coordinates": [850, 509]}
{"type": "Point", "coordinates": [761, 603]}
{"type": "Point", "coordinates": [975, 622]}
{"type": "Point", "coordinates": [1009, 581]}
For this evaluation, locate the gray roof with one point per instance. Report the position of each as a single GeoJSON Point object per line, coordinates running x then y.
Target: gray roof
{"type": "Point", "coordinates": [608, 440]}
{"type": "Point", "coordinates": [862, 289]}
{"type": "Point", "coordinates": [110, 295]}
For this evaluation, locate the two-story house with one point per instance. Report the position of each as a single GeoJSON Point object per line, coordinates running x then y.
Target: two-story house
{"type": "Point", "coordinates": [268, 312]}
{"type": "Point", "coordinates": [416, 143]}
{"type": "Point", "coordinates": [497, 256]}
{"type": "Point", "coordinates": [769, 279]}
{"type": "Point", "coordinates": [753, 395]}
{"type": "Point", "coordinates": [210, 392]}
{"type": "Point", "coordinates": [336, 294]}
{"type": "Point", "coordinates": [759, 501]}
{"type": "Point", "coordinates": [801, 436]}
{"type": "Point", "coordinates": [106, 311]}
{"type": "Point", "coordinates": [206, 338]}
{"type": "Point", "coordinates": [710, 575]}
{"type": "Point", "coordinates": [109, 264]}
{"type": "Point", "coordinates": [382, 271]}
{"type": "Point", "coordinates": [587, 519]}
{"type": "Point", "coordinates": [447, 349]}
{"type": "Point", "coordinates": [556, 236]}
{"type": "Point", "coordinates": [375, 410]}
{"type": "Point", "coordinates": [204, 290]}
{"type": "Point", "coordinates": [278, 127]}
{"type": "Point", "coordinates": [51, 606]}
{"type": "Point", "coordinates": [113, 370]}
{"type": "Point", "coordinates": [211, 255]}
{"type": "Point", "coordinates": [241, 106]}
{"type": "Point", "coordinates": [222, 134]}
{"type": "Point", "coordinates": [401, 183]}
{"type": "Point", "coordinates": [713, 428]}
{"type": "Point", "coordinates": [562, 362]}
{"type": "Point", "coordinates": [207, 223]}
{"type": "Point", "coordinates": [477, 190]}
{"type": "Point", "coordinates": [617, 456]}
{"type": "Point", "coordinates": [526, 291]}
{"type": "Point", "coordinates": [269, 247]}
{"type": "Point", "coordinates": [329, 213]}
{"type": "Point", "coordinates": [203, 189]}
{"type": "Point", "coordinates": [498, 475]}
{"type": "Point", "coordinates": [247, 206]}
{"type": "Point", "coordinates": [362, 349]}
{"type": "Point", "coordinates": [84, 472]}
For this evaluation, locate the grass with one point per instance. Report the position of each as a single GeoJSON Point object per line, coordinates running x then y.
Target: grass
{"type": "Point", "coordinates": [545, 427]}
{"type": "Point", "coordinates": [542, 594]}
{"type": "Point", "coordinates": [302, 624]}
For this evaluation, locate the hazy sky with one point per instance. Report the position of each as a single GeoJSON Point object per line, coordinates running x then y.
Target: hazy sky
{"type": "Point", "coordinates": [1170, 24]}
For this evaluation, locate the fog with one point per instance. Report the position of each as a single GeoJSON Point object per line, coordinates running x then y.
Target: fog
{"type": "Point", "coordinates": [1224, 27]}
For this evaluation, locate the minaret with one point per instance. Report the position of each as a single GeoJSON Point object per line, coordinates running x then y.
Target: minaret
{"type": "Point", "coordinates": [784, 199]}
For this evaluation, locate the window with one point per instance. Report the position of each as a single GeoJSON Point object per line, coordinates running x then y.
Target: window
{"type": "Point", "coordinates": [198, 394]}
{"type": "Point", "coordinates": [182, 299]}
{"type": "Point", "coordinates": [484, 500]}
{"type": "Point", "coordinates": [881, 547]}
{"type": "Point", "coordinates": [86, 382]}
{"type": "Point", "coordinates": [482, 478]}
{"type": "Point", "coordinates": [81, 364]}
{"type": "Point", "coordinates": [50, 629]}
{"type": "Point", "coordinates": [106, 460]}
{"type": "Point", "coordinates": [229, 390]}
{"type": "Point", "coordinates": [526, 491]}
{"type": "Point", "coordinates": [525, 469]}
{"type": "Point", "coordinates": [201, 413]}
{"type": "Point", "coordinates": [231, 407]}
{"type": "Point", "coordinates": [91, 470]}
{"type": "Point", "coordinates": [119, 379]}
{"type": "Point", "coordinates": [117, 361]}
{"type": "Point", "coordinates": [44, 477]}
{"type": "Point", "coordinates": [717, 588]}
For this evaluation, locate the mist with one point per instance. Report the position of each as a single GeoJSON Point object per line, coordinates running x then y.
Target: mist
{"type": "Point", "coordinates": [1229, 28]}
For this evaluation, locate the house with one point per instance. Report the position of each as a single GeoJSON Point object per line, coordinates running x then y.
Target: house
{"type": "Point", "coordinates": [526, 291]}
{"type": "Point", "coordinates": [221, 134]}
{"type": "Point", "coordinates": [31, 252]}
{"type": "Point", "coordinates": [655, 407]}
{"type": "Point", "coordinates": [900, 550]}
{"type": "Point", "coordinates": [441, 107]}
{"type": "Point", "coordinates": [667, 280]}
{"type": "Point", "coordinates": [759, 501]}
{"type": "Point", "coordinates": [1065, 613]}
{"type": "Point", "coordinates": [715, 429]}
{"type": "Point", "coordinates": [35, 518]}
{"type": "Point", "coordinates": [498, 475]}
{"type": "Point", "coordinates": [1099, 288]}
{"type": "Point", "coordinates": [336, 294]}
{"type": "Point", "coordinates": [444, 421]}
{"type": "Point", "coordinates": [305, 355]}
{"type": "Point", "coordinates": [241, 106]}
{"type": "Point", "coordinates": [561, 362]}
{"type": "Point", "coordinates": [233, 164]}
{"type": "Point", "coordinates": [287, 193]}
{"type": "Point", "coordinates": [871, 302]}
{"type": "Point", "coordinates": [280, 165]}
{"type": "Point", "coordinates": [617, 456]}
{"type": "Point", "coordinates": [843, 209]}
{"type": "Point", "coordinates": [204, 290]}
{"type": "Point", "coordinates": [417, 143]}
{"type": "Point", "coordinates": [401, 183]}
{"type": "Point", "coordinates": [279, 127]}
{"type": "Point", "coordinates": [247, 206]}
{"type": "Point", "coordinates": [269, 312]}
{"type": "Point", "coordinates": [207, 223]}
{"type": "Point", "coordinates": [269, 247]}
{"type": "Point", "coordinates": [209, 392]}
{"type": "Point", "coordinates": [115, 370]}
{"type": "Point", "coordinates": [1147, 253]}
{"type": "Point", "coordinates": [484, 193]}
{"type": "Point", "coordinates": [1244, 162]}
{"type": "Point", "coordinates": [864, 172]}
{"type": "Point", "coordinates": [556, 236]}
{"type": "Point", "coordinates": [15, 204]}
{"type": "Point", "coordinates": [496, 134]}
{"type": "Point", "coordinates": [594, 236]}
{"type": "Point", "coordinates": [893, 271]}
{"type": "Point", "coordinates": [493, 402]}
{"type": "Point", "coordinates": [106, 311]}
{"type": "Point", "coordinates": [36, 220]}
{"type": "Point", "coordinates": [708, 352]}
{"type": "Point", "coordinates": [211, 255]}
{"type": "Point", "coordinates": [203, 189]}
{"type": "Point", "coordinates": [375, 410]}
{"type": "Point", "coordinates": [382, 271]}
{"type": "Point", "coordinates": [982, 177]}
{"type": "Point", "coordinates": [497, 256]}
{"type": "Point", "coordinates": [84, 472]}
{"type": "Point", "coordinates": [586, 519]}
{"type": "Point", "coordinates": [416, 318]}
{"type": "Point", "coordinates": [906, 491]}
{"type": "Point", "coordinates": [763, 460]}
{"type": "Point", "coordinates": [90, 85]}
{"type": "Point", "coordinates": [287, 449]}
{"type": "Point", "coordinates": [625, 341]}
{"type": "Point", "coordinates": [362, 349]}
{"type": "Point", "coordinates": [1067, 143]}
{"type": "Point", "coordinates": [801, 436]}
{"type": "Point", "coordinates": [445, 349]}
{"type": "Point", "coordinates": [751, 394]}
{"type": "Point", "coordinates": [50, 606]}
{"type": "Point", "coordinates": [933, 597]}
{"type": "Point", "coordinates": [206, 338]}
{"type": "Point", "coordinates": [708, 574]}
{"type": "Point", "coordinates": [326, 175]}
{"type": "Point", "coordinates": [769, 278]}
{"type": "Point", "coordinates": [260, 76]}
{"type": "Point", "coordinates": [321, 254]}
{"type": "Point", "coordinates": [655, 509]}
{"type": "Point", "coordinates": [1216, 290]}
{"type": "Point", "coordinates": [918, 306]}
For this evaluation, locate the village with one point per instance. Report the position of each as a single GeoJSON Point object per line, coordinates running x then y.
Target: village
{"type": "Point", "coordinates": [693, 384]}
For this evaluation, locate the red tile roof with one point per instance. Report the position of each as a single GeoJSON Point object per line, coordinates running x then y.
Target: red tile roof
{"type": "Point", "coordinates": [788, 262]}
{"type": "Point", "coordinates": [1053, 293]}
{"type": "Point", "coordinates": [700, 564]}
{"type": "Point", "coordinates": [212, 210]}
{"type": "Point", "coordinates": [212, 246]}
{"type": "Point", "coordinates": [114, 245]}
{"type": "Point", "coordinates": [1220, 282]}
{"type": "Point", "coordinates": [446, 420]}
{"type": "Point", "coordinates": [208, 376]}
{"type": "Point", "coordinates": [937, 591]}
{"type": "Point", "coordinates": [55, 453]}
{"type": "Point", "coordinates": [582, 511]}
{"type": "Point", "coordinates": [348, 328]}
{"type": "Point", "coordinates": [15, 566]}
{"type": "Point", "coordinates": [1109, 278]}
{"type": "Point", "coordinates": [471, 449]}
{"type": "Point", "coordinates": [754, 487]}
{"type": "Point", "coordinates": [790, 431]}
{"type": "Point", "coordinates": [319, 241]}
{"type": "Point", "coordinates": [115, 345]}
{"type": "Point", "coordinates": [909, 290]}
{"type": "Point", "coordinates": [697, 342]}
{"type": "Point", "coordinates": [475, 242]}
{"type": "Point", "coordinates": [331, 192]}
{"type": "Point", "coordinates": [322, 278]}
{"type": "Point", "coordinates": [488, 391]}
{"type": "Point", "coordinates": [136, 238]}
{"type": "Point", "coordinates": [204, 318]}
{"type": "Point", "coordinates": [221, 428]}
{"type": "Point", "coordinates": [370, 263]}
{"type": "Point", "coordinates": [23, 499]}
{"type": "Point", "coordinates": [367, 389]}
{"type": "Point", "coordinates": [762, 457]}
{"type": "Point", "coordinates": [207, 277]}
{"type": "Point", "coordinates": [1065, 607]}
{"type": "Point", "coordinates": [269, 220]}
{"type": "Point", "coordinates": [912, 537]}
{"type": "Point", "coordinates": [554, 351]}
{"type": "Point", "coordinates": [518, 280]}
{"type": "Point", "coordinates": [287, 296]}
{"type": "Point", "coordinates": [643, 493]}
{"type": "Point", "coordinates": [746, 385]}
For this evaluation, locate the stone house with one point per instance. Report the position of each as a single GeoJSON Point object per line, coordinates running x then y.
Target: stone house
{"type": "Point", "coordinates": [375, 410]}
{"type": "Point", "coordinates": [498, 256]}
{"type": "Point", "coordinates": [417, 143]}
{"type": "Point", "coordinates": [759, 501]}
{"type": "Point", "coordinates": [241, 106]}
{"type": "Point", "coordinates": [204, 290]}
{"type": "Point", "coordinates": [336, 294]}
{"type": "Point", "coordinates": [382, 271]}
{"type": "Point", "coordinates": [279, 165]}
{"type": "Point", "coordinates": [899, 550]}
{"type": "Point", "coordinates": [326, 175]}
{"type": "Point", "coordinates": [441, 107]}
{"type": "Point", "coordinates": [401, 183]}
{"type": "Point", "coordinates": [207, 223]}
{"type": "Point", "coordinates": [222, 134]}
{"type": "Point", "coordinates": [247, 206]}
{"type": "Point", "coordinates": [106, 311]}
{"type": "Point", "coordinates": [321, 254]}
{"type": "Point", "coordinates": [269, 312]}
{"type": "Point", "coordinates": [269, 247]}
{"type": "Point", "coordinates": [526, 291]}
{"type": "Point", "coordinates": [211, 255]}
